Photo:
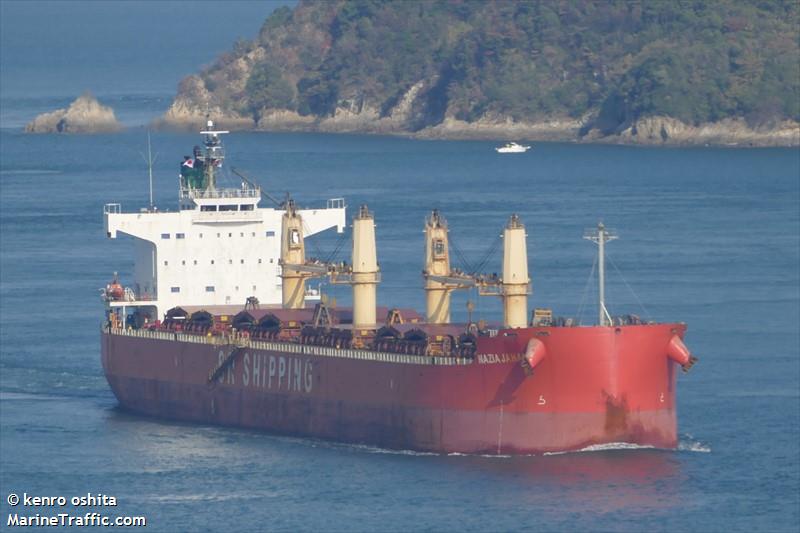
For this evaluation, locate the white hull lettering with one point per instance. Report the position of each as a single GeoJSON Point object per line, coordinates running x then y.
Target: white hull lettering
{"type": "Point", "coordinates": [281, 370]}
{"type": "Point", "coordinates": [227, 376]}
{"type": "Point", "coordinates": [290, 374]}
{"type": "Point", "coordinates": [271, 371]}
{"type": "Point", "coordinates": [257, 370]}
{"type": "Point", "coordinates": [496, 358]}
{"type": "Point", "coordinates": [309, 380]}
{"type": "Point", "coordinates": [246, 370]}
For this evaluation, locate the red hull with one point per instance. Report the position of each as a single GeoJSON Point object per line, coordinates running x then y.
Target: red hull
{"type": "Point", "coordinates": [594, 385]}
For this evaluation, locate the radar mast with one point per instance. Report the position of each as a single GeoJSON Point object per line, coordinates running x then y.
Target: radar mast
{"type": "Point", "coordinates": [214, 154]}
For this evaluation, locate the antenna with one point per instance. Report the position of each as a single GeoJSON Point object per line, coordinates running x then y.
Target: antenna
{"type": "Point", "coordinates": [149, 160]}
{"type": "Point", "coordinates": [601, 236]}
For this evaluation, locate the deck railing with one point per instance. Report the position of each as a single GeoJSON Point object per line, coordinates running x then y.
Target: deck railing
{"type": "Point", "coordinates": [220, 193]}
{"type": "Point", "coordinates": [233, 338]}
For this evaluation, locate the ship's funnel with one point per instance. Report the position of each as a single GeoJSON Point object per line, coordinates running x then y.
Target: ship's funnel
{"type": "Point", "coordinates": [516, 283]}
{"type": "Point", "coordinates": [365, 270]}
{"type": "Point", "coordinates": [437, 263]}
{"type": "Point", "coordinates": [293, 252]}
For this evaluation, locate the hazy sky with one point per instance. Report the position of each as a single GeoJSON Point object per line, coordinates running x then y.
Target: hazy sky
{"type": "Point", "coordinates": [116, 47]}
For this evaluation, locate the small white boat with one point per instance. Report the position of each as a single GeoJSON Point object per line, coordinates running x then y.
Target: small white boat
{"type": "Point", "coordinates": [512, 148]}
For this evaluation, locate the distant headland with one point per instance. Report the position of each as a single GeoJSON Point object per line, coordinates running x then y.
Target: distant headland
{"type": "Point", "coordinates": [84, 115]}
{"type": "Point", "coordinates": [630, 72]}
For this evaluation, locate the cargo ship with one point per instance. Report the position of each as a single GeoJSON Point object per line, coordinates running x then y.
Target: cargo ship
{"type": "Point", "coordinates": [219, 327]}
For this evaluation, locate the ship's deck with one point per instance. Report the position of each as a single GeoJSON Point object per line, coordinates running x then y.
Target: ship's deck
{"type": "Point", "coordinates": [244, 342]}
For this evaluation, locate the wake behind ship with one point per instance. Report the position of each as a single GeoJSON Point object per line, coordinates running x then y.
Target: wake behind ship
{"type": "Point", "coordinates": [219, 327]}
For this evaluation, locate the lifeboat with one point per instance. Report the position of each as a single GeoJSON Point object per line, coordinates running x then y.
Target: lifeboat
{"type": "Point", "coordinates": [114, 291]}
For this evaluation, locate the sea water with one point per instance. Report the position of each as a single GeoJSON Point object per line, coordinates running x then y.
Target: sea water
{"type": "Point", "coordinates": [708, 236]}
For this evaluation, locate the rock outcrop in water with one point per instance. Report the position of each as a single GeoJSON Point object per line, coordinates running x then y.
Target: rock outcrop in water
{"type": "Point", "coordinates": [84, 115]}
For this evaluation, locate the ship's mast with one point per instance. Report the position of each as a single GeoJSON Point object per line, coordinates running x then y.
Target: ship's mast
{"type": "Point", "coordinates": [214, 153]}
{"type": "Point", "coordinates": [601, 236]}
{"type": "Point", "coordinates": [516, 283]}
{"type": "Point", "coordinates": [293, 252]}
{"type": "Point", "coordinates": [366, 273]}
{"type": "Point", "coordinates": [150, 168]}
{"type": "Point", "coordinates": [437, 263]}
{"type": "Point", "coordinates": [149, 160]}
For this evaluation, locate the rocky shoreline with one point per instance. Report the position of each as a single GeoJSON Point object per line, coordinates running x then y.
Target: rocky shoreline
{"type": "Point", "coordinates": [87, 115]}
{"type": "Point", "coordinates": [650, 131]}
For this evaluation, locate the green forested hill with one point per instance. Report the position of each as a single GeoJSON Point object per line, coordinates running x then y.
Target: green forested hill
{"type": "Point", "coordinates": [605, 62]}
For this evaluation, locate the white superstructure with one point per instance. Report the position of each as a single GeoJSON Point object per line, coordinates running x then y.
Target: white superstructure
{"type": "Point", "coordinates": [220, 248]}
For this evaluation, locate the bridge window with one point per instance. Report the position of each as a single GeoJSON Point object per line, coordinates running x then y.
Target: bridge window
{"type": "Point", "coordinates": [246, 207]}
{"type": "Point", "coordinates": [270, 234]}
{"type": "Point", "coordinates": [209, 288]}
{"type": "Point", "coordinates": [165, 235]}
{"type": "Point", "coordinates": [180, 236]}
{"type": "Point", "coordinates": [229, 207]}
{"type": "Point", "coordinates": [208, 208]}
{"type": "Point", "coordinates": [175, 289]}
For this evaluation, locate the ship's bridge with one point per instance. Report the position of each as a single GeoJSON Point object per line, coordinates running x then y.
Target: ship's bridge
{"type": "Point", "coordinates": [223, 204]}
{"type": "Point", "coordinates": [221, 248]}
